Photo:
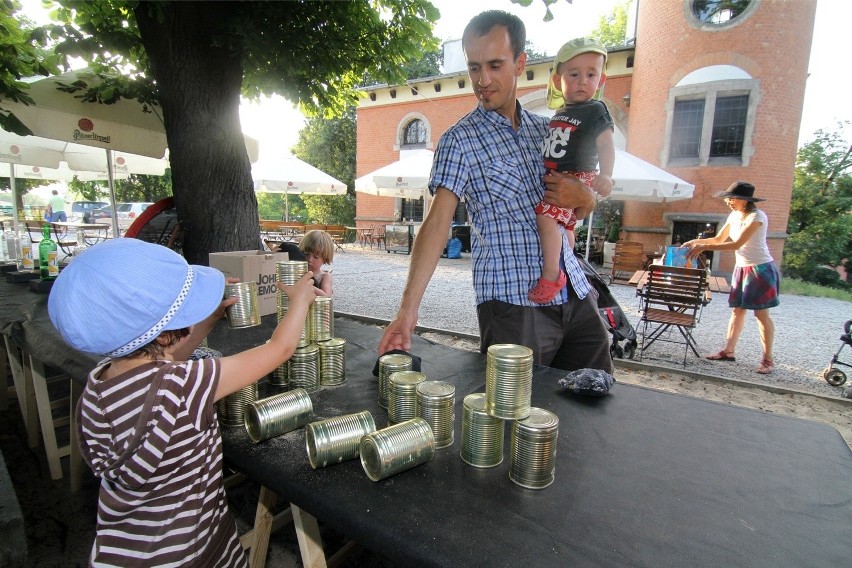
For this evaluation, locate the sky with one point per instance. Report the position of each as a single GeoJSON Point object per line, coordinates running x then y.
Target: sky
{"type": "Point", "coordinates": [276, 123]}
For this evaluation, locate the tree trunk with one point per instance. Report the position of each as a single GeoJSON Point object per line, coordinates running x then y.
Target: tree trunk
{"type": "Point", "coordinates": [199, 82]}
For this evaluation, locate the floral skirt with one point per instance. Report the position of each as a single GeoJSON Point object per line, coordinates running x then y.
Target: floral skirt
{"type": "Point", "coordinates": [755, 287]}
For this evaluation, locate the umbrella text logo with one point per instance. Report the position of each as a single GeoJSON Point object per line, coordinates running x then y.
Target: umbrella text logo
{"type": "Point", "coordinates": [86, 126]}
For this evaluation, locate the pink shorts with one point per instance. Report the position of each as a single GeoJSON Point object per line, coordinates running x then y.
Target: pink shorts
{"type": "Point", "coordinates": [563, 216]}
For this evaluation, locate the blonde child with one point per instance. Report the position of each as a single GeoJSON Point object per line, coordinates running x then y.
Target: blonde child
{"type": "Point", "coordinates": [579, 137]}
{"type": "Point", "coordinates": [318, 247]}
{"type": "Point", "coordinates": [147, 422]}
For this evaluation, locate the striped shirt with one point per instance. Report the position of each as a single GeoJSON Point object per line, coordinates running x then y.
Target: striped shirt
{"type": "Point", "coordinates": [152, 436]}
{"type": "Point", "coordinates": [498, 172]}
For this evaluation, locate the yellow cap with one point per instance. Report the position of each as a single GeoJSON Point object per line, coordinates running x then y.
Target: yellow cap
{"type": "Point", "coordinates": [567, 52]}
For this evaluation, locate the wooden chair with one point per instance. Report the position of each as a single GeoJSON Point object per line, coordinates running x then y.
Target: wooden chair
{"type": "Point", "coordinates": [338, 235]}
{"type": "Point", "coordinates": [377, 236]}
{"type": "Point", "coordinates": [628, 258]}
{"type": "Point", "coordinates": [672, 297]}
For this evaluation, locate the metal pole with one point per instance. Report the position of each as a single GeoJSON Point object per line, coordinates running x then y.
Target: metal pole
{"type": "Point", "coordinates": [111, 180]}
{"type": "Point", "coordinates": [590, 218]}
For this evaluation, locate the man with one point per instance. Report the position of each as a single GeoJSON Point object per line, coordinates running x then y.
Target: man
{"type": "Point", "coordinates": [57, 207]}
{"type": "Point", "coordinates": [492, 158]}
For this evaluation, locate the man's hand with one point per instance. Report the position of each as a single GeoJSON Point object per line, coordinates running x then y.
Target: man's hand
{"type": "Point", "coordinates": [397, 335]}
{"type": "Point", "coordinates": [564, 190]}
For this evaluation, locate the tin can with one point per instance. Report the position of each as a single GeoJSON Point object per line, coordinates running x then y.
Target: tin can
{"type": "Point", "coordinates": [288, 272]}
{"type": "Point", "coordinates": [321, 319]}
{"type": "Point", "coordinates": [281, 375]}
{"type": "Point", "coordinates": [402, 395]}
{"type": "Point", "coordinates": [435, 402]}
{"type": "Point", "coordinates": [533, 458]}
{"type": "Point", "coordinates": [332, 361]}
{"type": "Point", "coordinates": [304, 368]}
{"type": "Point", "coordinates": [279, 414]}
{"type": "Point", "coordinates": [481, 435]}
{"type": "Point", "coordinates": [232, 407]}
{"type": "Point", "coordinates": [246, 312]}
{"type": "Point", "coordinates": [397, 448]}
{"type": "Point", "coordinates": [389, 364]}
{"type": "Point", "coordinates": [337, 439]}
{"type": "Point", "coordinates": [508, 381]}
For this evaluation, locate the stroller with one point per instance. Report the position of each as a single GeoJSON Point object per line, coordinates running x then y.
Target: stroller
{"type": "Point", "coordinates": [616, 322]}
{"type": "Point", "coordinates": [831, 374]}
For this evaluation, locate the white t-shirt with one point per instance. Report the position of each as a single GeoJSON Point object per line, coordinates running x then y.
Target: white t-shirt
{"type": "Point", "coordinates": [754, 251]}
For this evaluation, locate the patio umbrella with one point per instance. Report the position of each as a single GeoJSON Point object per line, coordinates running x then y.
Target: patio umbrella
{"type": "Point", "coordinates": [407, 178]}
{"type": "Point", "coordinates": [635, 179]}
{"type": "Point", "coordinates": [291, 175]}
{"type": "Point", "coordinates": [62, 173]}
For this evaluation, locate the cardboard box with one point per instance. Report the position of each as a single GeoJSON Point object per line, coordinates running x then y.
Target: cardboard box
{"type": "Point", "coordinates": [253, 265]}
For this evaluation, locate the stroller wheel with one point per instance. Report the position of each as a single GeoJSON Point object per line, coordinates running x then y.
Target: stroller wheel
{"type": "Point", "coordinates": [615, 351]}
{"type": "Point", "coordinates": [834, 377]}
{"type": "Point", "coordinates": [630, 350]}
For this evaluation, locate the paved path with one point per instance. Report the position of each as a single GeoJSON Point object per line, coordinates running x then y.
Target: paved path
{"type": "Point", "coordinates": [370, 283]}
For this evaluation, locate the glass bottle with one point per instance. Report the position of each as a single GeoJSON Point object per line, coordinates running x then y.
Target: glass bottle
{"type": "Point", "coordinates": [25, 250]}
{"type": "Point", "coordinates": [47, 260]}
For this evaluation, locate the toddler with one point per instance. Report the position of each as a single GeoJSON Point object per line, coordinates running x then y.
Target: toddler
{"type": "Point", "coordinates": [147, 423]}
{"type": "Point", "coordinates": [318, 247]}
{"type": "Point", "coordinates": [579, 136]}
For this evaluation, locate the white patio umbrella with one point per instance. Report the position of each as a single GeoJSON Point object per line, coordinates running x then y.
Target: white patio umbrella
{"type": "Point", "coordinates": [407, 178]}
{"type": "Point", "coordinates": [62, 173]}
{"type": "Point", "coordinates": [291, 175]}
{"type": "Point", "coordinates": [635, 179]}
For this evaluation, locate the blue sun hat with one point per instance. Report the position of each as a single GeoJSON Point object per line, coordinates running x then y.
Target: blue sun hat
{"type": "Point", "coordinates": [118, 296]}
{"type": "Point", "coordinates": [567, 52]}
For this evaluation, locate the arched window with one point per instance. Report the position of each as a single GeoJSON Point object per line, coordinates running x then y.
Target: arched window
{"type": "Point", "coordinates": [414, 133]}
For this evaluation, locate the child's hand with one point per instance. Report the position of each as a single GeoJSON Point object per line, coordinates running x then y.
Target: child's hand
{"type": "Point", "coordinates": [603, 185]}
{"type": "Point", "coordinates": [302, 291]}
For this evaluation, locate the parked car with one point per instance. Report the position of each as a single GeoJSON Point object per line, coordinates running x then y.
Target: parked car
{"type": "Point", "coordinates": [128, 212]}
{"type": "Point", "coordinates": [100, 215]}
{"type": "Point", "coordinates": [80, 210]}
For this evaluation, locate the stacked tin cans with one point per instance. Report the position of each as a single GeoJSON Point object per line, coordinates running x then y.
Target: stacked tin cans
{"type": "Point", "coordinates": [320, 324]}
{"type": "Point", "coordinates": [389, 364]}
{"type": "Point", "coordinates": [288, 273]}
{"type": "Point", "coordinates": [402, 395]}
{"type": "Point", "coordinates": [482, 434]}
{"type": "Point", "coordinates": [304, 368]}
{"type": "Point", "coordinates": [508, 381]}
{"type": "Point", "coordinates": [231, 408]}
{"type": "Point", "coordinates": [435, 401]}
{"type": "Point", "coordinates": [332, 362]}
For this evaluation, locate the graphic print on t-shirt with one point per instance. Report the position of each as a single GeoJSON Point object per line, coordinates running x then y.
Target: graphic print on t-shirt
{"type": "Point", "coordinates": [555, 144]}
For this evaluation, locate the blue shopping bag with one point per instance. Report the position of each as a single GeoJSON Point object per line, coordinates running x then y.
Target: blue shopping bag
{"type": "Point", "coordinates": [676, 256]}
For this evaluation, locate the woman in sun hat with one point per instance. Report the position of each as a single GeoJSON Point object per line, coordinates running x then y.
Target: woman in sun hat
{"type": "Point", "coordinates": [147, 423]}
{"type": "Point", "coordinates": [756, 280]}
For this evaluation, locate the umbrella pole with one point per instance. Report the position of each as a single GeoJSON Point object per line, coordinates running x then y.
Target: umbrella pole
{"type": "Point", "coordinates": [286, 206]}
{"type": "Point", "coordinates": [590, 218]}
{"type": "Point", "coordinates": [111, 180]}
{"type": "Point", "coordinates": [14, 197]}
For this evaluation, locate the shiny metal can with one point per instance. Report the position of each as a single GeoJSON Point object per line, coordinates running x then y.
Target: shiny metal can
{"type": "Point", "coordinates": [337, 439]}
{"type": "Point", "coordinates": [332, 361]}
{"type": "Point", "coordinates": [281, 375]}
{"type": "Point", "coordinates": [279, 414]}
{"type": "Point", "coordinates": [508, 381]}
{"type": "Point", "coordinates": [533, 457]}
{"type": "Point", "coordinates": [481, 434]}
{"type": "Point", "coordinates": [246, 312]}
{"type": "Point", "coordinates": [389, 364]}
{"type": "Point", "coordinates": [435, 402]}
{"type": "Point", "coordinates": [304, 368]}
{"type": "Point", "coordinates": [402, 395]}
{"type": "Point", "coordinates": [231, 408]}
{"type": "Point", "coordinates": [397, 448]}
{"type": "Point", "coordinates": [288, 272]}
{"type": "Point", "coordinates": [321, 319]}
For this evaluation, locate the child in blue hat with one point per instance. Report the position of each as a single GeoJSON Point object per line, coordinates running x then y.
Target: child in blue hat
{"type": "Point", "coordinates": [579, 137]}
{"type": "Point", "coordinates": [147, 423]}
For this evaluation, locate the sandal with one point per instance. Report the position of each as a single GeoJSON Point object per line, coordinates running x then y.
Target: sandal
{"type": "Point", "coordinates": [722, 356]}
{"type": "Point", "coordinates": [766, 366]}
{"type": "Point", "coordinates": [545, 290]}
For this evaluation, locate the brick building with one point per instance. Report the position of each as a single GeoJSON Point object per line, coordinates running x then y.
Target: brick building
{"type": "Point", "coordinates": [711, 96]}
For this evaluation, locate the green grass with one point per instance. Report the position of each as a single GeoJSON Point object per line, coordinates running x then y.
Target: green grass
{"type": "Point", "coordinates": [801, 288]}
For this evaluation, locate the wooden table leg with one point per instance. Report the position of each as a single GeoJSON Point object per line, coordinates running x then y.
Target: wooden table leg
{"type": "Point", "coordinates": [308, 535]}
{"type": "Point", "coordinates": [259, 536]}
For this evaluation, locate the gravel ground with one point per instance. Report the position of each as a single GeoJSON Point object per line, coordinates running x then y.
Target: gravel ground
{"type": "Point", "coordinates": [369, 282]}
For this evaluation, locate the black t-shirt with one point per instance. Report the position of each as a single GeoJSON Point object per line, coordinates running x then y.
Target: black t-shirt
{"type": "Point", "coordinates": [570, 145]}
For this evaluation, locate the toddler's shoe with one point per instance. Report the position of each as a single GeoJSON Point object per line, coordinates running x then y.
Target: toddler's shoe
{"type": "Point", "coordinates": [545, 290]}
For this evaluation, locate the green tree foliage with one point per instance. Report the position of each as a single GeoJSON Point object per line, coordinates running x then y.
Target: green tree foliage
{"type": "Point", "coordinates": [820, 223]}
{"type": "Point", "coordinates": [194, 59]}
{"type": "Point", "coordinates": [329, 144]}
{"type": "Point", "coordinates": [612, 29]}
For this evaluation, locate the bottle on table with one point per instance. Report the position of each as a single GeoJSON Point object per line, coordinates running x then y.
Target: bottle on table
{"type": "Point", "coordinates": [47, 260]}
{"type": "Point", "coordinates": [25, 252]}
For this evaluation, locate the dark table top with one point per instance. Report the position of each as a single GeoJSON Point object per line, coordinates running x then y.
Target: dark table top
{"type": "Point", "coordinates": [643, 478]}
